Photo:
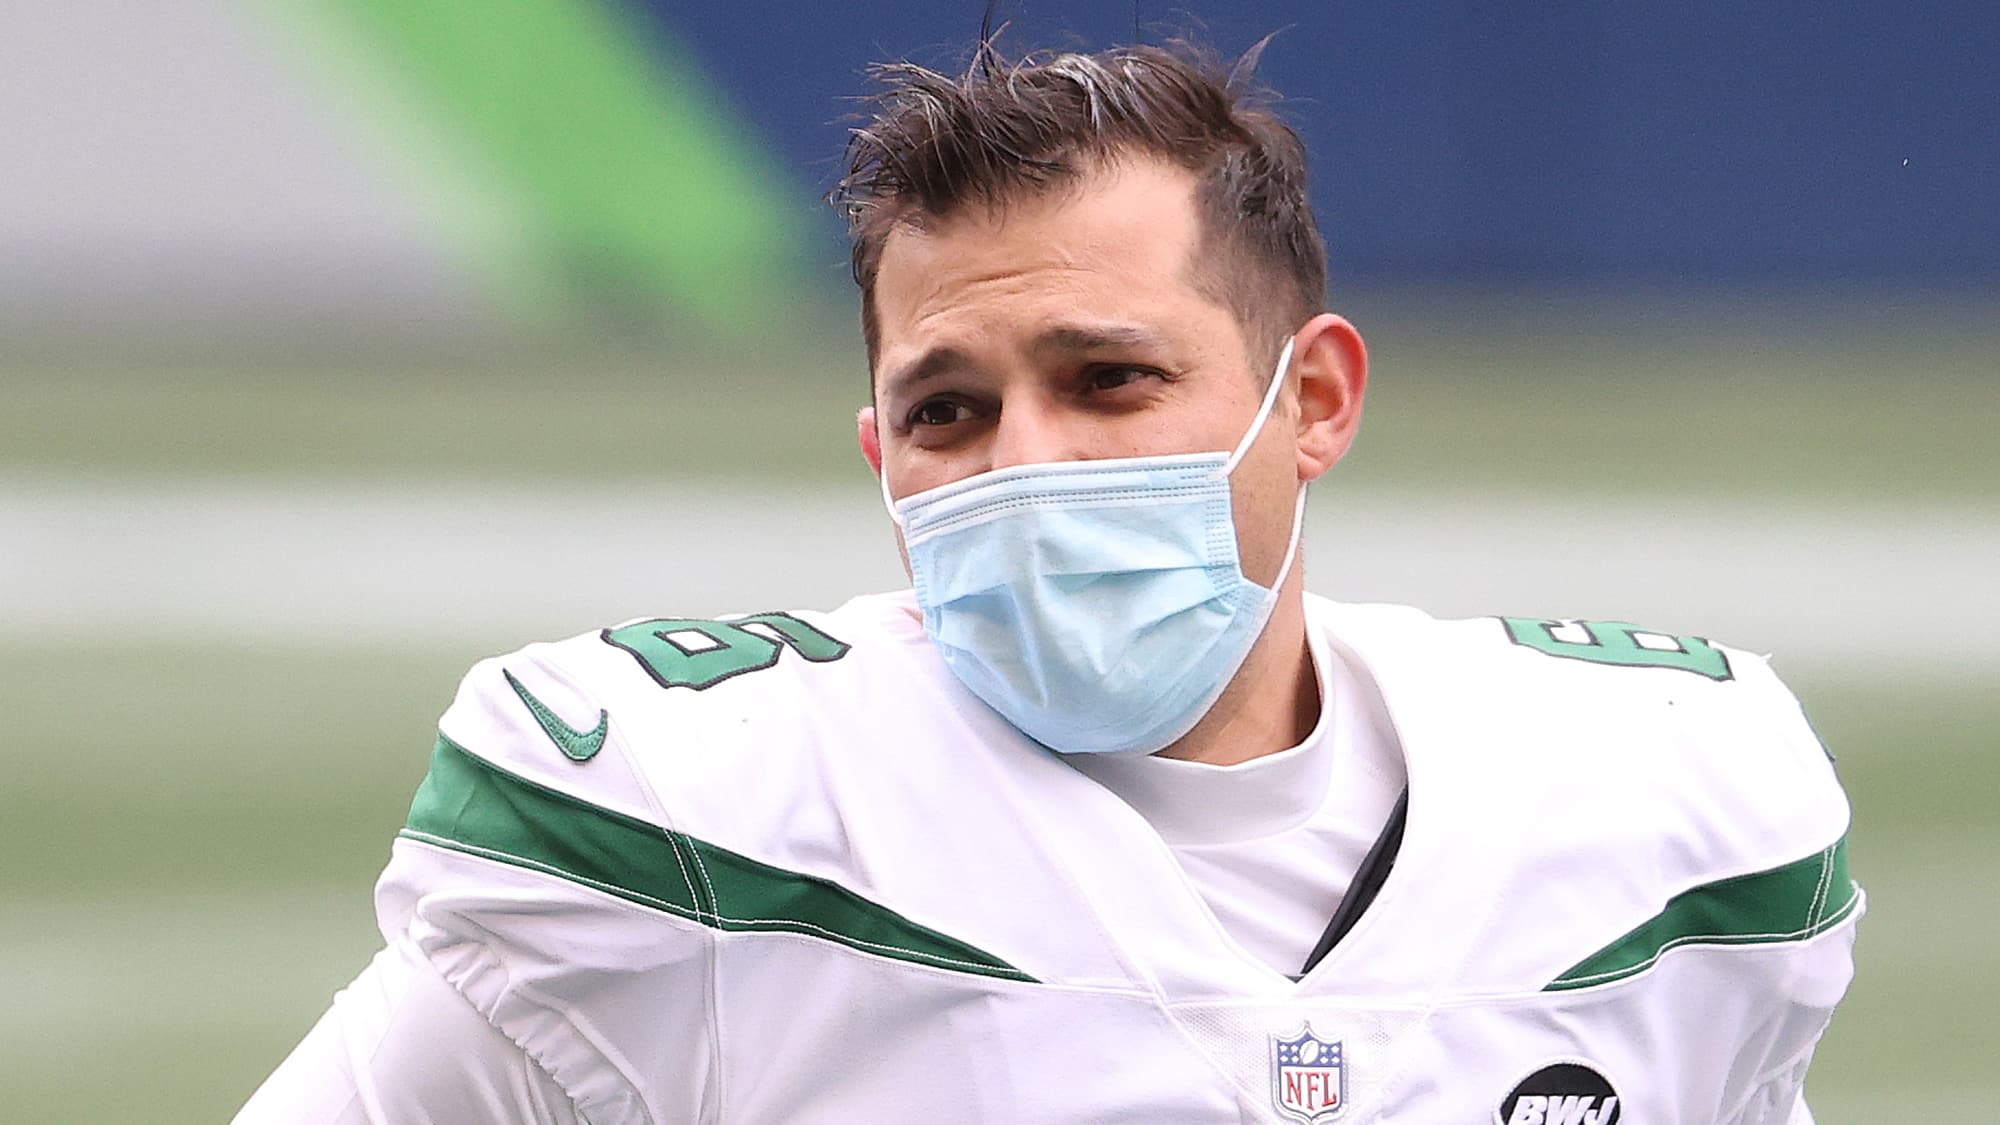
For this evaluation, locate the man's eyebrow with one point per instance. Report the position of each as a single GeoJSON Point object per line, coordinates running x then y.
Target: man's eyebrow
{"type": "Point", "coordinates": [930, 365]}
{"type": "Point", "coordinates": [1059, 338]}
{"type": "Point", "coordinates": [1091, 337]}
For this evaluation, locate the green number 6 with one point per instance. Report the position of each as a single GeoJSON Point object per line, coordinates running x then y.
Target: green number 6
{"type": "Point", "coordinates": [689, 653]}
{"type": "Point", "coordinates": [1618, 642]}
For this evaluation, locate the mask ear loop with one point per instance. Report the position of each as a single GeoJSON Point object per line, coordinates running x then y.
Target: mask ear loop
{"type": "Point", "coordinates": [1292, 548]}
{"type": "Point", "coordinates": [1264, 411]}
{"type": "Point", "coordinates": [1243, 447]}
{"type": "Point", "coordinates": [882, 479]}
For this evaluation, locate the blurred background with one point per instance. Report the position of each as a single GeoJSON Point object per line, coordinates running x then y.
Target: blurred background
{"type": "Point", "coordinates": [345, 342]}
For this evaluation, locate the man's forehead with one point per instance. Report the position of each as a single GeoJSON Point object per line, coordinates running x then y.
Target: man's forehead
{"type": "Point", "coordinates": [1124, 237]}
{"type": "Point", "coordinates": [1123, 205]}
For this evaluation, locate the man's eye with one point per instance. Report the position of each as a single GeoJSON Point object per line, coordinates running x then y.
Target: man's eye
{"type": "Point", "coordinates": [1111, 378]}
{"type": "Point", "coordinates": [937, 412]}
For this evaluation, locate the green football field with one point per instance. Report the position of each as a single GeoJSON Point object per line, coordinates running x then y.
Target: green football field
{"type": "Point", "coordinates": [195, 824]}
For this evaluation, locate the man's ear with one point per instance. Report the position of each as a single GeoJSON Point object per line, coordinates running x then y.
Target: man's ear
{"type": "Point", "coordinates": [871, 442]}
{"type": "Point", "coordinates": [1332, 366]}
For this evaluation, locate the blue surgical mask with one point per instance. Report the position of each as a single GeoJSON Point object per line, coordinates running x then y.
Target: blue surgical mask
{"type": "Point", "coordinates": [1100, 606]}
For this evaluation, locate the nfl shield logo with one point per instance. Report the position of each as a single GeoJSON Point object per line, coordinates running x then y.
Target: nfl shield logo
{"type": "Point", "coordinates": [1308, 1082]}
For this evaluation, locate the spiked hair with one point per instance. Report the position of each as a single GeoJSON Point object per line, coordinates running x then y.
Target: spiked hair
{"type": "Point", "coordinates": [1007, 129]}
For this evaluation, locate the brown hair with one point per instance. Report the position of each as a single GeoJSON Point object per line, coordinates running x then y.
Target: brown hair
{"type": "Point", "coordinates": [933, 143]}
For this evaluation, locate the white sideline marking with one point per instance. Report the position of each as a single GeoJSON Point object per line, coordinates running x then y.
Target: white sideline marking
{"type": "Point", "coordinates": [1821, 583]}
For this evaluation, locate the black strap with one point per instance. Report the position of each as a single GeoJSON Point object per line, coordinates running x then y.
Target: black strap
{"type": "Point", "coordinates": [1368, 880]}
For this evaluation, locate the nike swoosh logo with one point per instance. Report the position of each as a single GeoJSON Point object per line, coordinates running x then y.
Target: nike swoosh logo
{"type": "Point", "coordinates": [577, 745]}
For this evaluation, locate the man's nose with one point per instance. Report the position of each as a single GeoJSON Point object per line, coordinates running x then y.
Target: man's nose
{"type": "Point", "coordinates": [1031, 433]}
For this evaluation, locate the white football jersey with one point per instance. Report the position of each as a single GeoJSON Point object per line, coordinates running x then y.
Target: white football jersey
{"type": "Point", "coordinates": [784, 867]}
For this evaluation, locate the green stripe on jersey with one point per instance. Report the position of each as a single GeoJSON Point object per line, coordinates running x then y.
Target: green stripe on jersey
{"type": "Point", "coordinates": [472, 806]}
{"type": "Point", "coordinates": [1789, 903]}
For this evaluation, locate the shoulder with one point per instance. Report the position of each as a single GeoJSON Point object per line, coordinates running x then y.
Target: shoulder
{"type": "Point", "coordinates": [1555, 652]}
{"type": "Point", "coordinates": [1677, 732]}
{"type": "Point", "coordinates": [706, 776]}
{"type": "Point", "coordinates": [821, 744]}
{"type": "Point", "coordinates": [559, 801]}
{"type": "Point", "coordinates": [1575, 670]}
{"type": "Point", "coordinates": [615, 715]}
{"type": "Point", "coordinates": [1627, 789]}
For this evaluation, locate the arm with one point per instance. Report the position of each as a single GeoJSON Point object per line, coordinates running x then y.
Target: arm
{"type": "Point", "coordinates": [514, 987]}
{"type": "Point", "coordinates": [401, 1045]}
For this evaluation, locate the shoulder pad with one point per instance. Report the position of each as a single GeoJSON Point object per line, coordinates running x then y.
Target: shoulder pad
{"type": "Point", "coordinates": [1666, 735]}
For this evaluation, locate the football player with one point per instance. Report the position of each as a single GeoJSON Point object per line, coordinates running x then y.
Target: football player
{"type": "Point", "coordinates": [1105, 818]}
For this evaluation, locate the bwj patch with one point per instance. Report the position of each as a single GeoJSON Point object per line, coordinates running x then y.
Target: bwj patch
{"type": "Point", "coordinates": [1308, 1077]}
{"type": "Point", "coordinates": [1564, 1093]}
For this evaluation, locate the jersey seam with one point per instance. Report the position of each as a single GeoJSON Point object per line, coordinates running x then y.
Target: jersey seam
{"type": "Point", "coordinates": [708, 884]}
{"type": "Point", "coordinates": [701, 914]}
{"type": "Point", "coordinates": [712, 954]}
{"type": "Point", "coordinates": [1821, 893]}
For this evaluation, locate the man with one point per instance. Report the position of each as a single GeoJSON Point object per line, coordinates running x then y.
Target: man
{"type": "Point", "coordinates": [1105, 820]}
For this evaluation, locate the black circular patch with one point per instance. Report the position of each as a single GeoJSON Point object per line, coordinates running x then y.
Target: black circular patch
{"type": "Point", "coordinates": [1565, 1093]}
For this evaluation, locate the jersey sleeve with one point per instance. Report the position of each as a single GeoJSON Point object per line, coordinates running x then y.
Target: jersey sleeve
{"type": "Point", "coordinates": [1669, 854]}
{"type": "Point", "coordinates": [398, 1046]}
{"type": "Point", "coordinates": [1777, 930]}
{"type": "Point", "coordinates": [537, 878]}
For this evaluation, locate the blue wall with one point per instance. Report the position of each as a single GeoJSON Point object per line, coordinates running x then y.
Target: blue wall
{"type": "Point", "coordinates": [1545, 142]}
